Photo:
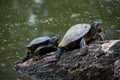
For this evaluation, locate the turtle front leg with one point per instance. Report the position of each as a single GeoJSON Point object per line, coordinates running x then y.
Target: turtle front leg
{"type": "Point", "coordinates": [83, 47]}
{"type": "Point", "coordinates": [58, 53]}
{"type": "Point", "coordinates": [36, 54]}
{"type": "Point", "coordinates": [102, 36]}
{"type": "Point", "coordinates": [82, 43]}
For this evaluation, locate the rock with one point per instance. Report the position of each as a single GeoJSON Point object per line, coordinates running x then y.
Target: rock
{"type": "Point", "coordinates": [101, 62]}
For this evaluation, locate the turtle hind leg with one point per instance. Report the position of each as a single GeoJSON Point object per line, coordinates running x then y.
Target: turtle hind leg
{"type": "Point", "coordinates": [26, 56]}
{"type": "Point", "coordinates": [58, 53]}
{"type": "Point", "coordinates": [83, 47]}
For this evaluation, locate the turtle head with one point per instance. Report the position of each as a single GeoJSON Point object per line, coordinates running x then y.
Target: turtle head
{"type": "Point", "coordinates": [96, 23]}
{"type": "Point", "coordinates": [54, 39]}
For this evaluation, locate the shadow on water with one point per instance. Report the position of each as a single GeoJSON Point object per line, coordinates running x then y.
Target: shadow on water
{"type": "Point", "coordinates": [21, 21]}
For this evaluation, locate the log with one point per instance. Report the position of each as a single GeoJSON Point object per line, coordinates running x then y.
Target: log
{"type": "Point", "coordinates": [101, 62]}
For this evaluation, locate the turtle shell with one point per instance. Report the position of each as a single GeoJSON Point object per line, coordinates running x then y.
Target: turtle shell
{"type": "Point", "coordinates": [74, 33]}
{"type": "Point", "coordinates": [38, 41]}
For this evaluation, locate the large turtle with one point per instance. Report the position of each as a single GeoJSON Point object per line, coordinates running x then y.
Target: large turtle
{"type": "Point", "coordinates": [78, 35]}
{"type": "Point", "coordinates": [41, 45]}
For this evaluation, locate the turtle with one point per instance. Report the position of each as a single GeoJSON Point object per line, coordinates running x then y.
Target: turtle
{"type": "Point", "coordinates": [40, 46]}
{"type": "Point", "coordinates": [79, 35]}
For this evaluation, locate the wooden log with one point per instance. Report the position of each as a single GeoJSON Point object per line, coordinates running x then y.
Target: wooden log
{"type": "Point", "coordinates": [101, 62]}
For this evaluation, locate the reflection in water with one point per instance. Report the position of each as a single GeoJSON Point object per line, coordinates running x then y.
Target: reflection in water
{"type": "Point", "coordinates": [74, 15]}
{"type": "Point", "coordinates": [31, 19]}
{"type": "Point", "coordinates": [38, 1]}
{"type": "Point", "coordinates": [21, 21]}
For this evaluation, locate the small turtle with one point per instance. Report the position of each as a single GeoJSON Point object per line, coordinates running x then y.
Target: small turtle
{"type": "Point", "coordinates": [78, 35]}
{"type": "Point", "coordinates": [41, 45]}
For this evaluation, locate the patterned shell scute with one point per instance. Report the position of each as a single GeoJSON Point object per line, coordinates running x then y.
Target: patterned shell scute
{"type": "Point", "coordinates": [38, 41]}
{"type": "Point", "coordinates": [74, 33]}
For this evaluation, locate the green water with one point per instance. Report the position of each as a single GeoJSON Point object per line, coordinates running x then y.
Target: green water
{"type": "Point", "coordinates": [23, 20]}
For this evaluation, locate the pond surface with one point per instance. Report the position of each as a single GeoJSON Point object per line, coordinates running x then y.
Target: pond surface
{"type": "Point", "coordinates": [23, 20]}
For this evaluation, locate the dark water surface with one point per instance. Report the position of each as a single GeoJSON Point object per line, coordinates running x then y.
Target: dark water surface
{"type": "Point", "coordinates": [23, 20]}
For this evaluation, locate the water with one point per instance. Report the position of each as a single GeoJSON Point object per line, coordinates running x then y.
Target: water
{"type": "Point", "coordinates": [23, 20]}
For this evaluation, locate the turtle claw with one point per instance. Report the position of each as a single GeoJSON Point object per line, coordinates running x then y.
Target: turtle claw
{"type": "Point", "coordinates": [101, 42]}
{"type": "Point", "coordinates": [104, 41]}
{"type": "Point", "coordinates": [57, 56]}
